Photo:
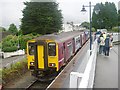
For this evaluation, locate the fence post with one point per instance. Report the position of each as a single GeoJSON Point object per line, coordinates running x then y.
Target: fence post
{"type": "Point", "coordinates": [74, 79]}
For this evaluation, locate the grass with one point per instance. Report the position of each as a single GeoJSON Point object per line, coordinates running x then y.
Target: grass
{"type": "Point", "coordinates": [15, 71]}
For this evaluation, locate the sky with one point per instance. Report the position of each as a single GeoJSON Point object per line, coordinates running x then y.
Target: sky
{"type": "Point", "coordinates": [11, 10]}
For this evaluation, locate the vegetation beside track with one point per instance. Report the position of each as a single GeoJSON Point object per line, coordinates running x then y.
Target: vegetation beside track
{"type": "Point", "coordinates": [15, 71]}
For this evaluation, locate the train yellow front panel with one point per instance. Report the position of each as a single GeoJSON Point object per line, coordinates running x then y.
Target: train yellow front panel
{"type": "Point", "coordinates": [40, 49]}
{"type": "Point", "coordinates": [53, 59]}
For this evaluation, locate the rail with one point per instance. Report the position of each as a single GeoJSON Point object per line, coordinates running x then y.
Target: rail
{"type": "Point", "coordinates": [86, 79]}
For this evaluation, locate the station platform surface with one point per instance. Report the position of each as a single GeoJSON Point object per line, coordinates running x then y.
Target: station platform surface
{"type": "Point", "coordinates": [107, 70]}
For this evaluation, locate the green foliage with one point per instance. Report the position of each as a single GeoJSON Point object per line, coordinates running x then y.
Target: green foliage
{"type": "Point", "coordinates": [115, 29]}
{"type": "Point", "coordinates": [23, 40]}
{"type": "Point", "coordinates": [15, 71]}
{"type": "Point", "coordinates": [85, 24]}
{"type": "Point", "coordinates": [9, 44]}
{"type": "Point", "coordinates": [119, 18]}
{"type": "Point", "coordinates": [13, 29]}
{"type": "Point", "coordinates": [93, 30]}
{"type": "Point", "coordinates": [106, 16]}
{"type": "Point", "coordinates": [41, 18]}
{"type": "Point", "coordinates": [2, 29]}
{"type": "Point", "coordinates": [0, 45]}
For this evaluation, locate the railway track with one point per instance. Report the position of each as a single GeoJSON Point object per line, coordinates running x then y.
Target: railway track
{"type": "Point", "coordinates": [38, 85]}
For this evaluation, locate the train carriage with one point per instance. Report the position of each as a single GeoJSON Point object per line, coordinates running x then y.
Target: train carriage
{"type": "Point", "coordinates": [48, 53]}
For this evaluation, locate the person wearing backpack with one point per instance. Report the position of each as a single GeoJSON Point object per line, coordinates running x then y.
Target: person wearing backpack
{"type": "Point", "coordinates": [107, 45]}
{"type": "Point", "coordinates": [101, 44]}
{"type": "Point", "coordinates": [111, 41]}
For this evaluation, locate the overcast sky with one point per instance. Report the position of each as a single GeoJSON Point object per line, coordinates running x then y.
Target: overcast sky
{"type": "Point", "coordinates": [11, 10]}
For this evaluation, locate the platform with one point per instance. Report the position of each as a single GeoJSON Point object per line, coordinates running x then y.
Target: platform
{"type": "Point", "coordinates": [107, 70]}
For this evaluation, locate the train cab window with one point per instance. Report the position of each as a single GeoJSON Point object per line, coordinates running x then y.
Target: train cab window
{"type": "Point", "coordinates": [31, 49]}
{"type": "Point", "coordinates": [52, 49]}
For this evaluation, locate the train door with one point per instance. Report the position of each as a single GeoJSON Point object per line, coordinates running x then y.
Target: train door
{"type": "Point", "coordinates": [64, 52]}
{"type": "Point", "coordinates": [73, 45]}
{"type": "Point", "coordinates": [41, 58]}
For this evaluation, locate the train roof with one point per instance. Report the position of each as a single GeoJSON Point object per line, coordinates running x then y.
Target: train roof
{"type": "Point", "coordinates": [60, 37]}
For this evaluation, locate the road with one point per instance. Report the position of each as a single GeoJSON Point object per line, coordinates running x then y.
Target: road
{"type": "Point", "coordinates": [11, 60]}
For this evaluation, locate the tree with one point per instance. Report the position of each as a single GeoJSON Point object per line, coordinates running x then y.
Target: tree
{"type": "Point", "coordinates": [106, 16]}
{"type": "Point", "coordinates": [2, 29]}
{"type": "Point", "coordinates": [85, 24]}
{"type": "Point", "coordinates": [13, 29]}
{"type": "Point", "coordinates": [41, 18]}
{"type": "Point", "coordinates": [118, 17]}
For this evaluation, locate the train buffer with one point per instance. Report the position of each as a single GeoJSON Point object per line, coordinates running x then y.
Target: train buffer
{"type": "Point", "coordinates": [85, 71]}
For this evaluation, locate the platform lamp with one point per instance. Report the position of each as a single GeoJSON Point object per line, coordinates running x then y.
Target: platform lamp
{"type": "Point", "coordinates": [83, 10]}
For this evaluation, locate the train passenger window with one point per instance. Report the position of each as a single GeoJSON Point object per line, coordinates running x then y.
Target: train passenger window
{"type": "Point", "coordinates": [52, 49]}
{"type": "Point", "coordinates": [31, 49]}
{"type": "Point", "coordinates": [70, 48]}
{"type": "Point", "coordinates": [62, 48]}
{"type": "Point", "coordinates": [77, 40]}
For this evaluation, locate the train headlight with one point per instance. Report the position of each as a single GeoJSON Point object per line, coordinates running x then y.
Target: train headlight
{"type": "Point", "coordinates": [31, 63]}
{"type": "Point", "coordinates": [52, 64]}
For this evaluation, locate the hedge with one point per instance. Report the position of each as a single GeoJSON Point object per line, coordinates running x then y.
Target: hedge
{"type": "Point", "coordinates": [10, 43]}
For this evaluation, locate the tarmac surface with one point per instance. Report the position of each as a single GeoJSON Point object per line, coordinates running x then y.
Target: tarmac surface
{"type": "Point", "coordinates": [107, 70]}
{"type": "Point", "coordinates": [11, 60]}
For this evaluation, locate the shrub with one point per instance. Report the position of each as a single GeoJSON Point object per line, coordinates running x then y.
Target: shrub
{"type": "Point", "coordinates": [0, 45]}
{"type": "Point", "coordinates": [115, 29]}
{"type": "Point", "coordinates": [23, 40]}
{"type": "Point", "coordinates": [15, 71]}
{"type": "Point", "coordinates": [9, 44]}
{"type": "Point", "coordinates": [10, 49]}
{"type": "Point", "coordinates": [93, 30]}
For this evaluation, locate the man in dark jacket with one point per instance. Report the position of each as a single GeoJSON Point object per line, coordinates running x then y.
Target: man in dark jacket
{"type": "Point", "coordinates": [107, 45]}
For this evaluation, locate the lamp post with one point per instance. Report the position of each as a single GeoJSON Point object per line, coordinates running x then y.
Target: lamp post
{"type": "Point", "coordinates": [83, 10]}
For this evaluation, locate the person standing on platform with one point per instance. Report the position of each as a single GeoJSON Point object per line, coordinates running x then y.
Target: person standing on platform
{"type": "Point", "coordinates": [104, 35]}
{"type": "Point", "coordinates": [107, 45]}
{"type": "Point", "coordinates": [111, 41]}
{"type": "Point", "coordinates": [102, 43]}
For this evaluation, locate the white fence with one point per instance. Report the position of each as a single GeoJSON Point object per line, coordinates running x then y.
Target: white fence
{"type": "Point", "coordinates": [86, 79]}
{"type": "Point", "coordinates": [9, 54]}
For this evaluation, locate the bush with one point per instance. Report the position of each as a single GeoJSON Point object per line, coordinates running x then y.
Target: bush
{"type": "Point", "coordinates": [115, 29]}
{"type": "Point", "coordinates": [10, 49]}
{"type": "Point", "coordinates": [16, 70]}
{"type": "Point", "coordinates": [93, 30]}
{"type": "Point", "coordinates": [9, 44]}
{"type": "Point", "coordinates": [0, 45]}
{"type": "Point", "coordinates": [23, 40]}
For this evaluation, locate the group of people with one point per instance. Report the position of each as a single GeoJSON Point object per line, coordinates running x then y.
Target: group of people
{"type": "Point", "coordinates": [105, 43]}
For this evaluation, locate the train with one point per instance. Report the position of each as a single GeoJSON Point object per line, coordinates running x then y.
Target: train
{"type": "Point", "coordinates": [47, 54]}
